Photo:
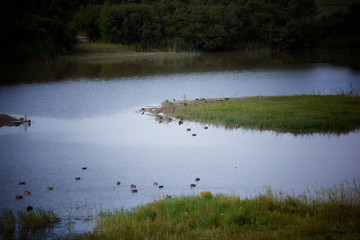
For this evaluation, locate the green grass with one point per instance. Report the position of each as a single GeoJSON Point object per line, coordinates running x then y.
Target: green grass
{"type": "Point", "coordinates": [102, 47]}
{"type": "Point", "coordinates": [297, 114]}
{"type": "Point", "coordinates": [332, 213]}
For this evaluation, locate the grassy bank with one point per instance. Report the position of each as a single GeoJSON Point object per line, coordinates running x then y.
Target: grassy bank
{"type": "Point", "coordinates": [332, 213]}
{"type": "Point", "coordinates": [297, 114]}
{"type": "Point", "coordinates": [95, 52]}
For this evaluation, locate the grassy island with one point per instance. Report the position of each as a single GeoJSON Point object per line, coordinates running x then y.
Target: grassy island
{"type": "Point", "coordinates": [296, 114]}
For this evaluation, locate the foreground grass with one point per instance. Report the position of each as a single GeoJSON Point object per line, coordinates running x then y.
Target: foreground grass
{"type": "Point", "coordinates": [332, 213]}
{"type": "Point", "coordinates": [305, 113]}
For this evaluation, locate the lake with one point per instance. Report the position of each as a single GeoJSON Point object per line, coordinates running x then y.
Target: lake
{"type": "Point", "coordinates": [87, 115]}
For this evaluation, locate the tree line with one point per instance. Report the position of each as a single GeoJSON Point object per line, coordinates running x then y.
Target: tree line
{"type": "Point", "coordinates": [38, 29]}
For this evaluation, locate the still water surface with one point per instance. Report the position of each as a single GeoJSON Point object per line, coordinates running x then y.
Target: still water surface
{"type": "Point", "coordinates": [94, 122]}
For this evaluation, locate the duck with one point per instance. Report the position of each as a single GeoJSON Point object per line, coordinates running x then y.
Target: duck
{"type": "Point", "coordinates": [161, 186]}
{"type": "Point", "coordinates": [206, 127]}
{"type": "Point", "coordinates": [84, 168]}
{"type": "Point", "coordinates": [27, 193]}
{"type": "Point", "coordinates": [77, 178]}
{"type": "Point", "coordinates": [18, 197]}
{"type": "Point", "coordinates": [29, 208]}
{"type": "Point", "coordinates": [134, 190]}
{"type": "Point", "coordinates": [188, 129]}
{"type": "Point", "coordinates": [133, 186]}
{"type": "Point", "coordinates": [50, 188]}
{"type": "Point", "coordinates": [192, 185]}
{"type": "Point", "coordinates": [118, 183]}
{"type": "Point", "coordinates": [194, 134]}
{"type": "Point", "coordinates": [197, 179]}
{"type": "Point", "coordinates": [155, 183]}
{"type": "Point", "coordinates": [21, 183]}
{"type": "Point", "coordinates": [167, 196]}
{"type": "Point", "coordinates": [180, 122]}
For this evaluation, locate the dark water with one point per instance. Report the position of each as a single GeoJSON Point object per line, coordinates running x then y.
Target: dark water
{"type": "Point", "coordinates": [90, 119]}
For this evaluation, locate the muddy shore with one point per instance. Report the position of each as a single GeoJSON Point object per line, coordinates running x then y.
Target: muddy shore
{"type": "Point", "coordinates": [169, 107]}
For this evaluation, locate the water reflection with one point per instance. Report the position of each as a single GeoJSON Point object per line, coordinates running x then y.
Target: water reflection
{"type": "Point", "coordinates": [65, 68]}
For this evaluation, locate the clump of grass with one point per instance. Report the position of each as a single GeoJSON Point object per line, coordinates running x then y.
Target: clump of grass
{"type": "Point", "coordinates": [23, 223]}
{"type": "Point", "coordinates": [167, 103]}
{"type": "Point", "coordinates": [332, 213]}
{"type": "Point", "coordinates": [7, 221]}
{"type": "Point", "coordinates": [297, 114]}
{"type": "Point", "coordinates": [37, 219]}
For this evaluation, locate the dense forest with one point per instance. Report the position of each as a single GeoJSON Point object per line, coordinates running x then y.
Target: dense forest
{"type": "Point", "coordinates": [34, 30]}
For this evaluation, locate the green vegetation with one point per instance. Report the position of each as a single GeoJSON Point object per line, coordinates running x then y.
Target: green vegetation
{"type": "Point", "coordinates": [332, 213]}
{"type": "Point", "coordinates": [305, 113]}
{"type": "Point", "coordinates": [35, 222]}
{"type": "Point", "coordinates": [35, 30]}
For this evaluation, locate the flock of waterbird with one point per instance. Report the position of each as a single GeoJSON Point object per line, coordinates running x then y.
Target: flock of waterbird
{"type": "Point", "coordinates": [160, 119]}
{"type": "Point", "coordinates": [132, 187]}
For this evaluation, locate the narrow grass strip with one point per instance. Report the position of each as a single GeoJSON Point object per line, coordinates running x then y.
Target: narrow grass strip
{"type": "Point", "coordinates": [300, 113]}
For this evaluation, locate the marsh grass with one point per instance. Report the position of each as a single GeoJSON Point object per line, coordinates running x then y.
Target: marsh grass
{"type": "Point", "coordinates": [7, 221]}
{"type": "Point", "coordinates": [297, 114]}
{"type": "Point", "coordinates": [331, 213]}
{"type": "Point", "coordinates": [27, 224]}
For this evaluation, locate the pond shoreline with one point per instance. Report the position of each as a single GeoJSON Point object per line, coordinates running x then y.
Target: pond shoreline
{"type": "Point", "coordinates": [169, 107]}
